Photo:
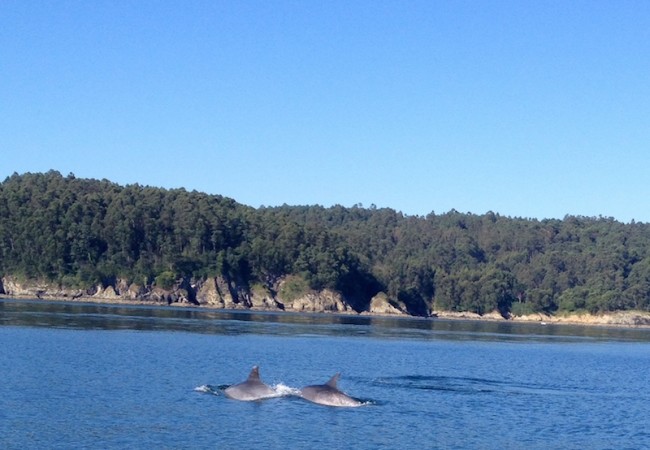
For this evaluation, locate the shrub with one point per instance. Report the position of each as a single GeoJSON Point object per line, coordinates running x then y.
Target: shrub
{"type": "Point", "coordinates": [166, 280]}
{"type": "Point", "coordinates": [293, 287]}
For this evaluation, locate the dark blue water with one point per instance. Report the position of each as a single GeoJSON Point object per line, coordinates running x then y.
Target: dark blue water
{"type": "Point", "coordinates": [89, 376]}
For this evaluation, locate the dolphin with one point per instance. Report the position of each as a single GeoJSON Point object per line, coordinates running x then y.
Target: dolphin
{"type": "Point", "coordinates": [251, 389]}
{"type": "Point", "coordinates": [328, 394]}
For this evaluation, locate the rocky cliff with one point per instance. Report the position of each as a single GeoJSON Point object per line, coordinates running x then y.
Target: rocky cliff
{"type": "Point", "coordinates": [219, 293]}
{"type": "Point", "coordinates": [214, 292]}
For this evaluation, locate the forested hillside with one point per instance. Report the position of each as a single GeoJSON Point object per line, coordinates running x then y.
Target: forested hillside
{"type": "Point", "coordinates": [80, 232]}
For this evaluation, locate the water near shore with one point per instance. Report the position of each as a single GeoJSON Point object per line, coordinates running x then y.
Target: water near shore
{"type": "Point", "coordinates": [102, 376]}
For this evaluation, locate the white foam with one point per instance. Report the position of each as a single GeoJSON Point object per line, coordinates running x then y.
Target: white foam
{"type": "Point", "coordinates": [206, 389]}
{"type": "Point", "coordinates": [286, 391]}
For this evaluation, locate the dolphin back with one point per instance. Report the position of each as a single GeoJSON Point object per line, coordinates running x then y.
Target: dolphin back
{"type": "Point", "coordinates": [328, 394]}
{"type": "Point", "coordinates": [250, 390]}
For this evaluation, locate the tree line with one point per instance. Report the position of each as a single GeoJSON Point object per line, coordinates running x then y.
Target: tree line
{"type": "Point", "coordinates": [82, 232]}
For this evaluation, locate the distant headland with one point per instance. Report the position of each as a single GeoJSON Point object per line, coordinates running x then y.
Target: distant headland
{"type": "Point", "coordinates": [63, 237]}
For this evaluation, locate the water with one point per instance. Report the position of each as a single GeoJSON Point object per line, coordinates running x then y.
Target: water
{"type": "Point", "coordinates": [91, 376]}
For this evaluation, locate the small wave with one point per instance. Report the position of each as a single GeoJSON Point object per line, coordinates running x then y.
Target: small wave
{"type": "Point", "coordinates": [363, 402]}
{"type": "Point", "coordinates": [440, 383]}
{"type": "Point", "coordinates": [472, 385]}
{"type": "Point", "coordinates": [367, 402]}
{"type": "Point", "coordinates": [208, 389]}
{"type": "Point", "coordinates": [285, 391]}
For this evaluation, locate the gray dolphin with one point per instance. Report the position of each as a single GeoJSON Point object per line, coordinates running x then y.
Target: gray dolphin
{"type": "Point", "coordinates": [328, 394]}
{"type": "Point", "coordinates": [251, 389]}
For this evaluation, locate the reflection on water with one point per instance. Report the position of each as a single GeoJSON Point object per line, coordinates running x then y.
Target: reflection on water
{"type": "Point", "coordinates": [38, 313]}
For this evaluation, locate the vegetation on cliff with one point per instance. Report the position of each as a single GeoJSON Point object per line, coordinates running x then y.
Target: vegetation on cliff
{"type": "Point", "coordinates": [81, 232]}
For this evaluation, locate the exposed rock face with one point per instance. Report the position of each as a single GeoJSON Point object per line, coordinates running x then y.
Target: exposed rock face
{"type": "Point", "coordinates": [457, 315]}
{"type": "Point", "coordinates": [37, 289]}
{"type": "Point", "coordinates": [264, 299]}
{"type": "Point", "coordinates": [218, 292]}
{"type": "Point", "coordinates": [107, 293]}
{"type": "Point", "coordinates": [619, 318]}
{"type": "Point", "coordinates": [635, 320]}
{"type": "Point", "coordinates": [215, 292]}
{"type": "Point", "coordinates": [325, 300]}
{"type": "Point", "coordinates": [380, 304]}
{"type": "Point", "coordinates": [494, 315]}
{"type": "Point", "coordinates": [208, 294]}
{"type": "Point", "coordinates": [133, 292]}
{"type": "Point", "coordinates": [13, 287]}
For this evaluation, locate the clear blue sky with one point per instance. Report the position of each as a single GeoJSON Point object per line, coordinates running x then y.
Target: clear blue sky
{"type": "Point", "coordinates": [535, 108]}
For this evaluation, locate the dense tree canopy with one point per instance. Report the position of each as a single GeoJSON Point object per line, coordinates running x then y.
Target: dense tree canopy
{"type": "Point", "coordinates": [78, 232]}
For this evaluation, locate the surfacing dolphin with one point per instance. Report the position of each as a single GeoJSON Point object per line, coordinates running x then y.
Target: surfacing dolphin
{"type": "Point", "coordinates": [329, 394]}
{"type": "Point", "coordinates": [250, 390]}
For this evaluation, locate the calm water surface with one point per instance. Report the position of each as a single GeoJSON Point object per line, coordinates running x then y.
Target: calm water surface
{"type": "Point", "coordinates": [92, 376]}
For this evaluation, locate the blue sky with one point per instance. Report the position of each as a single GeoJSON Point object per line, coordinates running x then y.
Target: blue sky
{"type": "Point", "coordinates": [525, 108]}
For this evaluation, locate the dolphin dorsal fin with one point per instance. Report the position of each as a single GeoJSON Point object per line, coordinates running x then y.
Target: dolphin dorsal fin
{"type": "Point", "coordinates": [255, 374]}
{"type": "Point", "coordinates": [332, 382]}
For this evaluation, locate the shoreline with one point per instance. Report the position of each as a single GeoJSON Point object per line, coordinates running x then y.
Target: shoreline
{"type": "Point", "coordinates": [619, 319]}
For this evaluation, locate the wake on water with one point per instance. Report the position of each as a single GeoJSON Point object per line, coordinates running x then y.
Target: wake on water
{"type": "Point", "coordinates": [209, 389]}
{"type": "Point", "coordinates": [418, 382]}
